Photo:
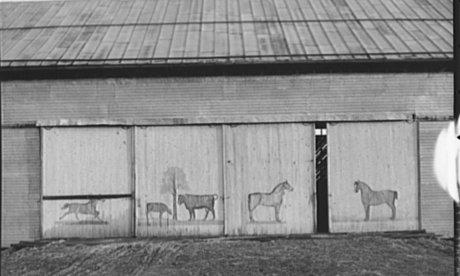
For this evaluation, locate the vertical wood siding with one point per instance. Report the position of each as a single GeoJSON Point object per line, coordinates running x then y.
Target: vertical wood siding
{"type": "Point", "coordinates": [257, 158]}
{"type": "Point", "coordinates": [80, 161]}
{"type": "Point", "coordinates": [382, 154]}
{"type": "Point", "coordinates": [86, 161]}
{"type": "Point", "coordinates": [437, 210]}
{"type": "Point", "coordinates": [195, 154]}
{"type": "Point", "coordinates": [115, 219]}
{"type": "Point", "coordinates": [20, 185]}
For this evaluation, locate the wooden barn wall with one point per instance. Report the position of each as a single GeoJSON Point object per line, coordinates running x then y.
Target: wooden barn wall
{"type": "Point", "coordinates": [426, 94]}
{"type": "Point", "coordinates": [257, 159]}
{"type": "Point", "coordinates": [183, 162]}
{"type": "Point", "coordinates": [20, 185]}
{"type": "Point", "coordinates": [383, 155]}
{"type": "Point", "coordinates": [437, 210]}
{"type": "Point", "coordinates": [82, 162]}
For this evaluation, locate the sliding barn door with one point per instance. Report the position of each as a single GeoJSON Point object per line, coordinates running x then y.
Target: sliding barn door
{"type": "Point", "coordinates": [383, 156]}
{"type": "Point", "coordinates": [179, 181]}
{"type": "Point", "coordinates": [269, 172]}
{"type": "Point", "coordinates": [87, 182]}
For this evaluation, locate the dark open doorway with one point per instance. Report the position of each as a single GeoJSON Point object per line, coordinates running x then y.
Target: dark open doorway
{"type": "Point", "coordinates": [322, 197]}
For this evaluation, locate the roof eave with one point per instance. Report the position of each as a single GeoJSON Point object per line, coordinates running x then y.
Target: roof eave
{"type": "Point", "coordinates": [226, 69]}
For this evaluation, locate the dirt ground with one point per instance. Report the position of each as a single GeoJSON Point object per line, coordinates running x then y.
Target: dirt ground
{"type": "Point", "coordinates": [330, 255]}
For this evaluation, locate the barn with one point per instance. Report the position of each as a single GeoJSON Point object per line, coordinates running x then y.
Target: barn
{"type": "Point", "coordinates": [218, 117]}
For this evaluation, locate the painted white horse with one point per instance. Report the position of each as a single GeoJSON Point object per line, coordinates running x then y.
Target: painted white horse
{"type": "Point", "coordinates": [372, 198]}
{"type": "Point", "coordinates": [273, 199]}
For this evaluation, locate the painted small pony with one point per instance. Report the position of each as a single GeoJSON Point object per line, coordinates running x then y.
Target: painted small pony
{"type": "Point", "coordinates": [273, 199]}
{"type": "Point", "coordinates": [373, 198]}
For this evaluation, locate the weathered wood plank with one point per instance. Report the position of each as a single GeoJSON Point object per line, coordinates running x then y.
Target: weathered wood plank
{"type": "Point", "coordinates": [9, 15]}
{"type": "Point", "coordinates": [294, 9]}
{"type": "Point", "coordinates": [434, 36]}
{"type": "Point", "coordinates": [206, 40]}
{"type": "Point", "coordinates": [78, 16]}
{"type": "Point", "coordinates": [147, 12]}
{"type": "Point", "coordinates": [307, 10]}
{"type": "Point", "coordinates": [164, 41]}
{"type": "Point", "coordinates": [178, 41]}
{"type": "Point", "coordinates": [344, 9]}
{"type": "Point", "coordinates": [221, 10]}
{"type": "Point", "coordinates": [331, 9]}
{"type": "Point", "coordinates": [14, 37]}
{"type": "Point", "coordinates": [15, 52]}
{"type": "Point", "coordinates": [123, 12]}
{"type": "Point", "coordinates": [364, 38]}
{"type": "Point", "coordinates": [376, 36]}
{"type": "Point", "coordinates": [437, 6]}
{"type": "Point", "coordinates": [320, 37]}
{"type": "Point", "coordinates": [208, 11]}
{"type": "Point", "coordinates": [395, 11]}
{"type": "Point", "coordinates": [49, 14]}
{"type": "Point", "coordinates": [92, 44]}
{"type": "Point", "coordinates": [335, 38]}
{"type": "Point", "coordinates": [233, 11]}
{"type": "Point", "coordinates": [64, 43]}
{"type": "Point", "coordinates": [448, 26]}
{"type": "Point", "coordinates": [420, 36]}
{"type": "Point", "coordinates": [135, 12]}
{"type": "Point", "coordinates": [369, 10]}
{"type": "Point", "coordinates": [270, 10]}
{"type": "Point", "coordinates": [221, 43]}
{"type": "Point", "coordinates": [150, 41]}
{"type": "Point", "coordinates": [160, 11]}
{"type": "Point", "coordinates": [358, 12]}
{"type": "Point", "coordinates": [121, 43]}
{"type": "Point", "coordinates": [257, 10]}
{"type": "Point", "coordinates": [135, 42]}
{"type": "Point", "coordinates": [308, 42]}
{"type": "Point", "coordinates": [99, 12]}
{"type": "Point", "coordinates": [23, 17]}
{"type": "Point", "coordinates": [36, 44]}
{"type": "Point", "coordinates": [381, 9]}
{"type": "Point", "coordinates": [419, 7]}
{"type": "Point", "coordinates": [353, 45]}
{"type": "Point", "coordinates": [104, 48]}
{"type": "Point", "coordinates": [250, 44]}
{"type": "Point", "coordinates": [319, 10]}
{"type": "Point", "coordinates": [246, 10]}
{"type": "Point", "coordinates": [63, 12]}
{"type": "Point", "coordinates": [263, 39]}
{"type": "Point", "coordinates": [171, 12]}
{"type": "Point", "coordinates": [409, 40]}
{"type": "Point", "coordinates": [391, 37]}
{"type": "Point", "coordinates": [444, 30]}
{"type": "Point", "coordinates": [292, 39]}
{"type": "Point", "coordinates": [235, 39]}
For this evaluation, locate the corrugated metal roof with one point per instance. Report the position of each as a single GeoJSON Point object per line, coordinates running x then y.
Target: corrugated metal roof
{"type": "Point", "coordinates": [100, 32]}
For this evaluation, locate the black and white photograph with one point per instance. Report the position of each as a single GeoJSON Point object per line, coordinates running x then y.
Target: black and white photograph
{"type": "Point", "coordinates": [230, 137]}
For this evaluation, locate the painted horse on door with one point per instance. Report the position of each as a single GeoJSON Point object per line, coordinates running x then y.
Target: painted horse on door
{"type": "Point", "coordinates": [373, 198]}
{"type": "Point", "coordinates": [273, 199]}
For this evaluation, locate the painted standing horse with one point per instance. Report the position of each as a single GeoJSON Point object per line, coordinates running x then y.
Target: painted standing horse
{"type": "Point", "coordinates": [373, 198]}
{"type": "Point", "coordinates": [88, 208]}
{"type": "Point", "coordinates": [273, 199]}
